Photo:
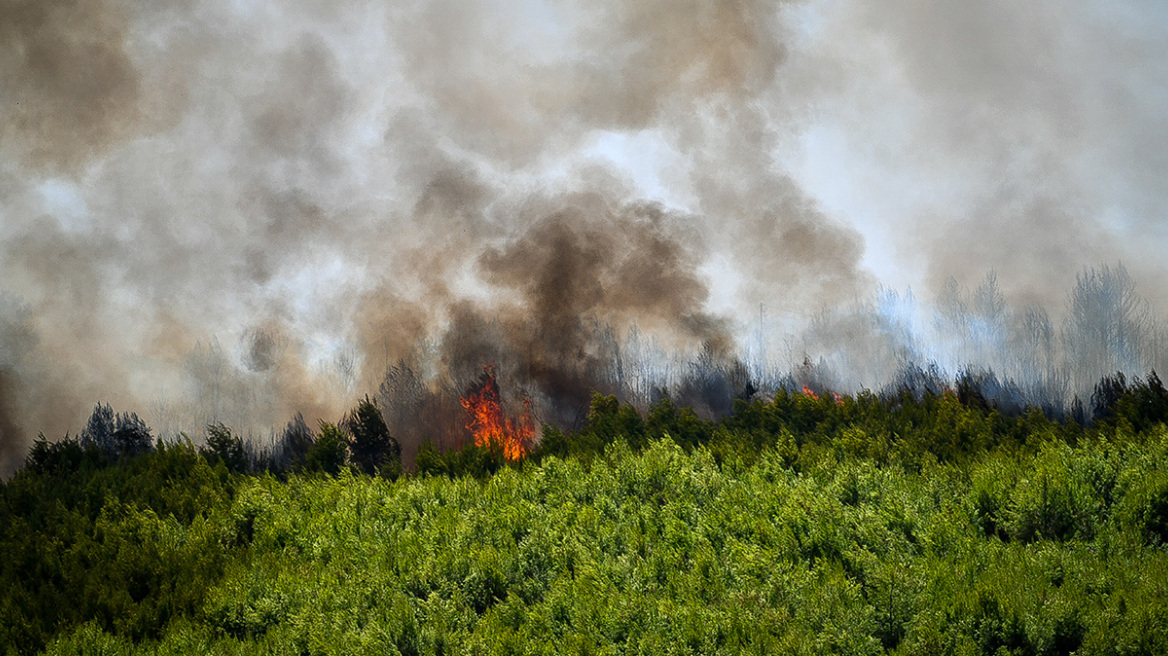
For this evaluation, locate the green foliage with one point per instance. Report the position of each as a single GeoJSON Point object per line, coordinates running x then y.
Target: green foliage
{"type": "Point", "coordinates": [1151, 513]}
{"type": "Point", "coordinates": [295, 443]}
{"type": "Point", "coordinates": [59, 458]}
{"type": "Point", "coordinates": [798, 525]}
{"type": "Point", "coordinates": [1052, 500]}
{"type": "Point", "coordinates": [329, 452]}
{"type": "Point", "coordinates": [471, 460]}
{"type": "Point", "coordinates": [682, 424]}
{"type": "Point", "coordinates": [668, 551]}
{"type": "Point", "coordinates": [116, 435]}
{"type": "Point", "coordinates": [127, 548]}
{"type": "Point", "coordinates": [1135, 407]}
{"type": "Point", "coordinates": [223, 446]}
{"type": "Point", "coordinates": [609, 421]}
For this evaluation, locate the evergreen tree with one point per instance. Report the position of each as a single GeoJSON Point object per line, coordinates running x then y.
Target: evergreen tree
{"type": "Point", "coordinates": [330, 450]}
{"type": "Point", "coordinates": [223, 446]}
{"type": "Point", "coordinates": [372, 448]}
{"type": "Point", "coordinates": [131, 435]}
{"type": "Point", "coordinates": [294, 446]}
{"type": "Point", "coordinates": [116, 435]}
{"type": "Point", "coordinates": [99, 429]}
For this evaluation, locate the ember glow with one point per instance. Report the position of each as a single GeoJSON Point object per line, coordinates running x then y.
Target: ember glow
{"type": "Point", "coordinates": [810, 393]}
{"type": "Point", "coordinates": [488, 421]}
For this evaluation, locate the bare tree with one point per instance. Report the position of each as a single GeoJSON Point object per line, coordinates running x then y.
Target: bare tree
{"type": "Point", "coordinates": [988, 326]}
{"type": "Point", "coordinates": [1108, 327]}
{"type": "Point", "coordinates": [1034, 351]}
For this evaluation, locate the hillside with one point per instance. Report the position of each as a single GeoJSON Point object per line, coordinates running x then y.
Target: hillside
{"type": "Point", "coordinates": [790, 527]}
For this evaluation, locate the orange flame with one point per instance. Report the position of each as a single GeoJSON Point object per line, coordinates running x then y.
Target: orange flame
{"type": "Point", "coordinates": [810, 393]}
{"type": "Point", "coordinates": [489, 424]}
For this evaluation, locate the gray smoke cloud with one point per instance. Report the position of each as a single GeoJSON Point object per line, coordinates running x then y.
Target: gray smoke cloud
{"type": "Point", "coordinates": [225, 212]}
{"type": "Point", "coordinates": [1032, 136]}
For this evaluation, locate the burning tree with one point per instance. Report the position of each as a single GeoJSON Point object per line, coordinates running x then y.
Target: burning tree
{"type": "Point", "coordinates": [488, 422]}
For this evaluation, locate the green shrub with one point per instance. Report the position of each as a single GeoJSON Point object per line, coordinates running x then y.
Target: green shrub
{"type": "Point", "coordinates": [330, 451]}
{"type": "Point", "coordinates": [1053, 501]}
{"type": "Point", "coordinates": [224, 447]}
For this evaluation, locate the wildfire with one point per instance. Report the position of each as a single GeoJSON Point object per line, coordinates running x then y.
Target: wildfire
{"type": "Point", "coordinates": [808, 392]}
{"type": "Point", "coordinates": [489, 424]}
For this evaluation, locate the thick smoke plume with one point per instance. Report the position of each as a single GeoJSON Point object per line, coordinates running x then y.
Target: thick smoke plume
{"type": "Point", "coordinates": [218, 212]}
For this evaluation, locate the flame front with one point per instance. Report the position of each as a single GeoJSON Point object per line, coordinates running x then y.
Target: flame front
{"type": "Point", "coordinates": [489, 424]}
{"type": "Point", "coordinates": [810, 393]}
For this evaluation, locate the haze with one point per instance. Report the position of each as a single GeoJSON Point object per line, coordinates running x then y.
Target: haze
{"type": "Point", "coordinates": [238, 211]}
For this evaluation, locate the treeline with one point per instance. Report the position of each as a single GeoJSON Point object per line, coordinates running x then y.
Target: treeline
{"type": "Point", "coordinates": [360, 441]}
{"type": "Point", "coordinates": [924, 420]}
{"type": "Point", "coordinates": [1044, 356]}
{"type": "Point", "coordinates": [116, 541]}
{"type": "Point", "coordinates": [924, 415]}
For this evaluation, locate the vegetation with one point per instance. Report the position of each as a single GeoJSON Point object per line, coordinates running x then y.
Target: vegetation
{"type": "Point", "coordinates": [912, 524]}
{"type": "Point", "coordinates": [374, 451]}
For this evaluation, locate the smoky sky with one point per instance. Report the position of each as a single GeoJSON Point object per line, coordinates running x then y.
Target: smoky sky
{"type": "Point", "coordinates": [274, 200]}
{"type": "Point", "coordinates": [1029, 139]}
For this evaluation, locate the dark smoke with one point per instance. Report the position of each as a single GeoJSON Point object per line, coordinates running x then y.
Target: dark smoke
{"type": "Point", "coordinates": [563, 289]}
{"type": "Point", "coordinates": [71, 89]}
{"type": "Point", "coordinates": [12, 436]}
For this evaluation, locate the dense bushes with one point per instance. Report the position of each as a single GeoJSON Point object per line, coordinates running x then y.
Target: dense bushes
{"type": "Point", "coordinates": [905, 429]}
{"type": "Point", "coordinates": [127, 548]}
{"type": "Point", "coordinates": [665, 551]}
{"type": "Point", "coordinates": [920, 524]}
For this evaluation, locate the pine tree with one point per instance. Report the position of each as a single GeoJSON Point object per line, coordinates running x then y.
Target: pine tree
{"type": "Point", "coordinates": [372, 449]}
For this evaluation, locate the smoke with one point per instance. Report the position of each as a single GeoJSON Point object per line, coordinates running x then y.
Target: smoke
{"type": "Point", "coordinates": [219, 212]}
{"type": "Point", "coordinates": [14, 337]}
{"type": "Point", "coordinates": [575, 271]}
{"type": "Point", "coordinates": [1027, 139]}
{"type": "Point", "coordinates": [72, 90]}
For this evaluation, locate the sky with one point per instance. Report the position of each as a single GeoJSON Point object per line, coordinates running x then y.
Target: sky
{"type": "Point", "coordinates": [298, 191]}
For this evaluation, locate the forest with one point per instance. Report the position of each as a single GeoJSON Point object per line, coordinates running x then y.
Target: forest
{"type": "Point", "coordinates": [914, 522]}
{"type": "Point", "coordinates": [609, 327]}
